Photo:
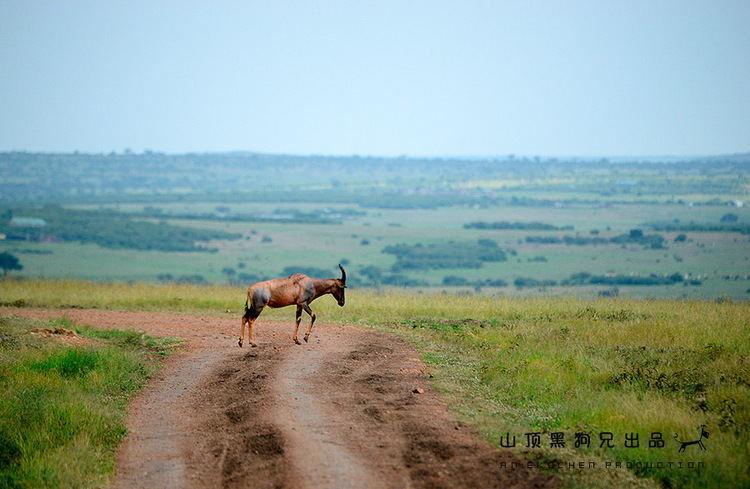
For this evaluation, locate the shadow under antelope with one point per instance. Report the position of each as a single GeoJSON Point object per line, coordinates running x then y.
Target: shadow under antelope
{"type": "Point", "coordinates": [299, 290]}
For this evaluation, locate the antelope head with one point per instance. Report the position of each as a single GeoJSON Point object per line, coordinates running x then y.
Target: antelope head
{"type": "Point", "coordinates": [340, 285]}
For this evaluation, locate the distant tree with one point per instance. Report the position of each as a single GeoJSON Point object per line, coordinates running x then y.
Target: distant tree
{"type": "Point", "coordinates": [452, 280]}
{"type": "Point", "coordinates": [9, 262]}
{"type": "Point", "coordinates": [191, 279]}
{"type": "Point", "coordinates": [248, 278]}
{"type": "Point", "coordinates": [636, 234]}
{"type": "Point", "coordinates": [729, 217]}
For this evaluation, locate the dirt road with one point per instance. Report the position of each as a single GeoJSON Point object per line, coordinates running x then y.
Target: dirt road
{"type": "Point", "coordinates": [341, 411]}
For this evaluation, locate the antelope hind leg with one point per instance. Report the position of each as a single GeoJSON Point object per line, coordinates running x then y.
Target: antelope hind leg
{"type": "Point", "coordinates": [242, 330]}
{"type": "Point", "coordinates": [247, 318]}
{"type": "Point", "coordinates": [250, 331]}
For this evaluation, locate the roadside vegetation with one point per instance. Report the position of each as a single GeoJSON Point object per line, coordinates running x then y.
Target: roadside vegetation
{"type": "Point", "coordinates": [633, 371]}
{"type": "Point", "coordinates": [636, 371]}
{"type": "Point", "coordinates": [64, 390]}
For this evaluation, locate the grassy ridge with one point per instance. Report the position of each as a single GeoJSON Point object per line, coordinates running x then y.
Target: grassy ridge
{"type": "Point", "coordinates": [63, 404]}
{"type": "Point", "coordinates": [512, 366]}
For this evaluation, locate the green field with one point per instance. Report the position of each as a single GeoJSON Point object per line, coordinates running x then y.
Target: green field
{"type": "Point", "coordinates": [142, 217]}
{"type": "Point", "coordinates": [717, 263]}
{"type": "Point", "coordinates": [640, 370]}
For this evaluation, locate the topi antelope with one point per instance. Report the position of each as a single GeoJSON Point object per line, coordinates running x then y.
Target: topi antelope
{"type": "Point", "coordinates": [298, 289]}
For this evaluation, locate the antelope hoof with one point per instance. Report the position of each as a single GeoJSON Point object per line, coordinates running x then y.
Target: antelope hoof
{"type": "Point", "coordinates": [253, 345]}
{"type": "Point", "coordinates": [305, 338]}
{"type": "Point", "coordinates": [240, 342]}
{"type": "Point", "coordinates": [297, 341]}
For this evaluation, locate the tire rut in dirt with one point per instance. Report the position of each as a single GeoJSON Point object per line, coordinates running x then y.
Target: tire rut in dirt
{"type": "Point", "coordinates": [239, 446]}
{"type": "Point", "coordinates": [410, 434]}
{"type": "Point", "coordinates": [339, 411]}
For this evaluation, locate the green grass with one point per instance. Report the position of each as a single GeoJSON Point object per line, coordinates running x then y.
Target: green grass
{"type": "Point", "coordinates": [145, 296]}
{"type": "Point", "coordinates": [517, 365]}
{"type": "Point", "coordinates": [63, 404]}
{"type": "Point", "coordinates": [591, 366]}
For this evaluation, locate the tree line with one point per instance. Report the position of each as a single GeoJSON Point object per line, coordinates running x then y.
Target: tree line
{"type": "Point", "coordinates": [451, 254]}
{"type": "Point", "coordinates": [108, 229]}
{"type": "Point", "coordinates": [507, 225]}
{"type": "Point", "coordinates": [635, 236]}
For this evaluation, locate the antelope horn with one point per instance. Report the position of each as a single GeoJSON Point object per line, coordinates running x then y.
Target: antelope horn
{"type": "Point", "coordinates": [343, 274]}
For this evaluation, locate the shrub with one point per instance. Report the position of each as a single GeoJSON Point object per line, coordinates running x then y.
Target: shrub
{"type": "Point", "coordinates": [445, 255]}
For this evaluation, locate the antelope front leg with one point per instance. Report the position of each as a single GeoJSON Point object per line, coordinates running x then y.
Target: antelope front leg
{"type": "Point", "coordinates": [297, 319]}
{"type": "Point", "coordinates": [312, 320]}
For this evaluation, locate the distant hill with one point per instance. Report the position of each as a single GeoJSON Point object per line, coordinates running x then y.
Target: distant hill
{"type": "Point", "coordinates": [59, 177]}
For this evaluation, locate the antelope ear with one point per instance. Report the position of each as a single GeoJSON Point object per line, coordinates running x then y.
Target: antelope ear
{"type": "Point", "coordinates": [343, 274]}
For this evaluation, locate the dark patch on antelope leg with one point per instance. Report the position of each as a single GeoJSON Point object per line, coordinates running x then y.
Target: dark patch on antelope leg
{"type": "Point", "coordinates": [260, 298]}
{"type": "Point", "coordinates": [309, 293]}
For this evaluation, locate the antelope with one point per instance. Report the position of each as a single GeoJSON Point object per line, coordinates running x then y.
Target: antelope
{"type": "Point", "coordinates": [298, 289]}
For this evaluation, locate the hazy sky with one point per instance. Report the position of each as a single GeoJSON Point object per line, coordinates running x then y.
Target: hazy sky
{"type": "Point", "coordinates": [444, 78]}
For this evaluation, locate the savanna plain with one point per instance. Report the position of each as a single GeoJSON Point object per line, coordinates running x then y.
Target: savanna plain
{"type": "Point", "coordinates": [588, 316]}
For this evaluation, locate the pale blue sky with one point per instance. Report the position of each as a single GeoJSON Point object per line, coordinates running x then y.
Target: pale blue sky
{"type": "Point", "coordinates": [439, 78]}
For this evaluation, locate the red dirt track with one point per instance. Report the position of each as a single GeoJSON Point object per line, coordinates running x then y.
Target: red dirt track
{"type": "Point", "coordinates": [337, 412]}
